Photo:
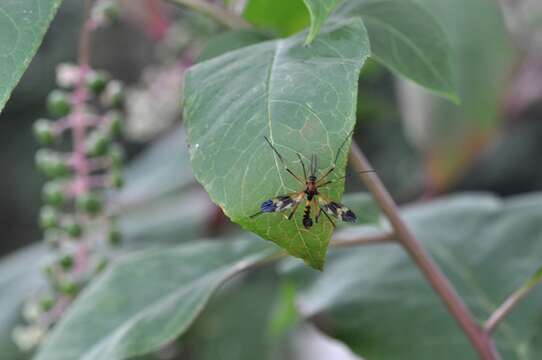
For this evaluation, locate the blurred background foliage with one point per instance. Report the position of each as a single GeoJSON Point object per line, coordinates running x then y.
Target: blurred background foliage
{"type": "Point", "coordinates": [420, 145]}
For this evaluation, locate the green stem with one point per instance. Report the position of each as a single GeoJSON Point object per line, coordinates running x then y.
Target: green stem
{"type": "Point", "coordinates": [220, 14]}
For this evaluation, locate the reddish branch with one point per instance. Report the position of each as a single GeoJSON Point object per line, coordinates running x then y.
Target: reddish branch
{"type": "Point", "coordinates": [480, 339]}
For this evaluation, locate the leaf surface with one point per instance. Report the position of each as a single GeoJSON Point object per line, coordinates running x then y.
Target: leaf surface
{"type": "Point", "coordinates": [147, 300]}
{"type": "Point", "coordinates": [23, 24]}
{"type": "Point", "coordinates": [302, 98]}
{"type": "Point", "coordinates": [407, 38]}
{"type": "Point", "coordinates": [375, 300]}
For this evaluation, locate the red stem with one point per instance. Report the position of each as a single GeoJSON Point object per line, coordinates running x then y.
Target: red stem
{"type": "Point", "coordinates": [479, 339]}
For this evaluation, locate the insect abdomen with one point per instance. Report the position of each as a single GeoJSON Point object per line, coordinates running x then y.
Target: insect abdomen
{"type": "Point", "coordinates": [307, 221]}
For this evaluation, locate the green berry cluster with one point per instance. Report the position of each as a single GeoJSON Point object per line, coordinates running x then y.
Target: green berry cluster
{"type": "Point", "coordinates": [88, 107]}
{"type": "Point", "coordinates": [78, 179]}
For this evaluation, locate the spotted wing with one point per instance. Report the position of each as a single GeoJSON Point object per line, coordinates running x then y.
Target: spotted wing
{"type": "Point", "coordinates": [337, 210]}
{"type": "Point", "coordinates": [281, 203]}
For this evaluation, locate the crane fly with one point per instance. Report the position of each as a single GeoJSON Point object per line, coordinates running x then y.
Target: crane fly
{"type": "Point", "coordinates": [310, 195]}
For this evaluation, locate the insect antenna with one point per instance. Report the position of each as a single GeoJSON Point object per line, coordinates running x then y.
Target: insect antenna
{"type": "Point", "coordinates": [343, 177]}
{"type": "Point", "coordinates": [283, 162]}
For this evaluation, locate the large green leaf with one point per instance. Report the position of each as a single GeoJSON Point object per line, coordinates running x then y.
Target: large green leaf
{"type": "Point", "coordinates": [234, 324]}
{"type": "Point", "coordinates": [375, 300]}
{"type": "Point", "coordinates": [22, 26]}
{"type": "Point", "coordinates": [148, 299]}
{"type": "Point", "coordinates": [456, 133]}
{"type": "Point", "coordinates": [408, 39]}
{"type": "Point", "coordinates": [20, 278]}
{"type": "Point", "coordinates": [302, 98]}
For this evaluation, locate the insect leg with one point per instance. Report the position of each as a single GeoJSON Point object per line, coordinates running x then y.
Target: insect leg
{"type": "Point", "coordinates": [283, 162]}
{"type": "Point", "coordinates": [293, 211]}
{"type": "Point", "coordinates": [327, 216]}
{"type": "Point", "coordinates": [342, 177]}
{"type": "Point", "coordinates": [302, 165]}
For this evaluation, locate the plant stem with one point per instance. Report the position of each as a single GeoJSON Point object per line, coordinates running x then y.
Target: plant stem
{"type": "Point", "coordinates": [508, 305]}
{"type": "Point", "coordinates": [342, 239]}
{"type": "Point", "coordinates": [480, 340]}
{"type": "Point", "coordinates": [222, 15]}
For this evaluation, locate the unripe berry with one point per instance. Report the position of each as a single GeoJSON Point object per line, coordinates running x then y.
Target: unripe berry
{"type": "Point", "coordinates": [44, 131]}
{"type": "Point", "coordinates": [96, 82]}
{"type": "Point", "coordinates": [114, 121]}
{"type": "Point", "coordinates": [48, 217]}
{"type": "Point", "coordinates": [69, 287]}
{"type": "Point", "coordinates": [73, 228]}
{"type": "Point", "coordinates": [113, 95]}
{"type": "Point", "coordinates": [53, 194]}
{"type": "Point", "coordinates": [116, 153]}
{"type": "Point", "coordinates": [58, 103]}
{"type": "Point", "coordinates": [66, 262]}
{"type": "Point", "coordinates": [105, 11]}
{"type": "Point", "coordinates": [97, 143]}
{"type": "Point", "coordinates": [51, 164]}
{"type": "Point", "coordinates": [46, 303]}
{"type": "Point", "coordinates": [89, 203]}
{"type": "Point", "coordinates": [117, 180]}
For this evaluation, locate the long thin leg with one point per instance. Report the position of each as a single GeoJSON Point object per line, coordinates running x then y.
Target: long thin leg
{"type": "Point", "coordinates": [327, 216]}
{"type": "Point", "coordinates": [336, 158]}
{"type": "Point", "coordinates": [293, 211]}
{"type": "Point", "coordinates": [283, 162]}
{"type": "Point", "coordinates": [302, 165]}
{"type": "Point", "coordinates": [325, 175]}
{"type": "Point", "coordinates": [318, 214]}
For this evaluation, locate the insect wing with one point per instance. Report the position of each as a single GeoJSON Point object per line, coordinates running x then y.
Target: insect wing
{"type": "Point", "coordinates": [281, 203]}
{"type": "Point", "coordinates": [337, 210]}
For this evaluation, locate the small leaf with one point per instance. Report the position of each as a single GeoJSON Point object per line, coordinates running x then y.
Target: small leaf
{"type": "Point", "coordinates": [319, 10]}
{"type": "Point", "coordinates": [147, 300]}
{"type": "Point", "coordinates": [287, 17]}
{"type": "Point", "coordinates": [22, 26]}
{"type": "Point", "coordinates": [406, 38]}
{"type": "Point", "coordinates": [283, 17]}
{"type": "Point", "coordinates": [375, 300]}
{"type": "Point", "coordinates": [302, 98]}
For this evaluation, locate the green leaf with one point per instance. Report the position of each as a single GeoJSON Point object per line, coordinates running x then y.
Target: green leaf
{"type": "Point", "coordinates": [147, 300]}
{"type": "Point", "coordinates": [20, 277]}
{"type": "Point", "coordinates": [229, 41]}
{"type": "Point", "coordinates": [22, 26]}
{"type": "Point", "coordinates": [233, 325]}
{"type": "Point", "coordinates": [302, 98]}
{"type": "Point", "coordinates": [287, 17]}
{"type": "Point", "coordinates": [406, 38]}
{"type": "Point", "coordinates": [319, 10]}
{"type": "Point", "coordinates": [284, 17]}
{"type": "Point", "coordinates": [375, 300]}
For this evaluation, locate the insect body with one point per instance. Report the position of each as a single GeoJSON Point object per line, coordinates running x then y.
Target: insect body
{"type": "Point", "coordinates": [310, 195]}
